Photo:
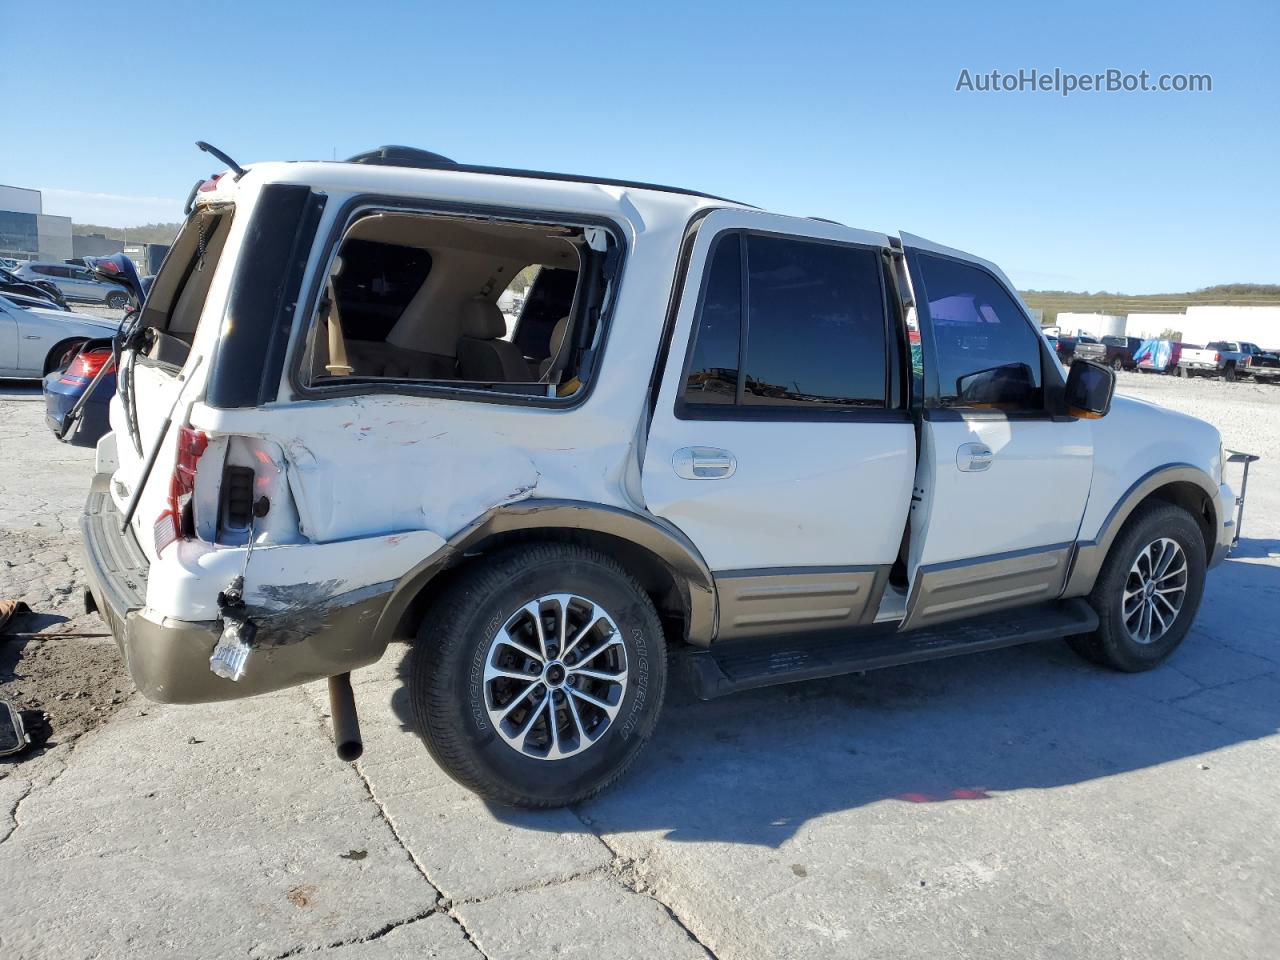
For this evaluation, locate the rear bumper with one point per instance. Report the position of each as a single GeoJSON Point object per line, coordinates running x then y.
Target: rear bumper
{"type": "Point", "coordinates": [59, 398]}
{"type": "Point", "coordinates": [168, 659]}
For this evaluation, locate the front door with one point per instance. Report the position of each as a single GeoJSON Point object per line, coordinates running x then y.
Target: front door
{"type": "Point", "coordinates": [780, 442]}
{"type": "Point", "coordinates": [1002, 481]}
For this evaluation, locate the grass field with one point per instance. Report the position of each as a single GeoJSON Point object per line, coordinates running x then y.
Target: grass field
{"type": "Point", "coordinates": [1053, 302]}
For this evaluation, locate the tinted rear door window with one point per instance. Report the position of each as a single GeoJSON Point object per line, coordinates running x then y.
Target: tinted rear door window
{"type": "Point", "coordinates": [815, 324]}
{"type": "Point", "coordinates": [713, 367]}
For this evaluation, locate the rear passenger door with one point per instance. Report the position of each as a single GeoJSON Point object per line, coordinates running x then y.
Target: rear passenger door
{"type": "Point", "coordinates": [780, 442]}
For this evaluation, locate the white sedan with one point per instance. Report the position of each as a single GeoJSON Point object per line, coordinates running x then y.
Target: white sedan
{"type": "Point", "coordinates": [35, 341]}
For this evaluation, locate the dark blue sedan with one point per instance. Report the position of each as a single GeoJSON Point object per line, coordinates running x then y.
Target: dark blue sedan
{"type": "Point", "coordinates": [63, 387]}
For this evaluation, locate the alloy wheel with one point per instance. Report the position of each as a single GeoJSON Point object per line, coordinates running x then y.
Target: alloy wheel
{"type": "Point", "coordinates": [555, 675]}
{"type": "Point", "coordinates": [1154, 591]}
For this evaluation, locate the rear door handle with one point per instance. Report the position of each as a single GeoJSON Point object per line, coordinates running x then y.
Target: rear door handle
{"type": "Point", "coordinates": [704, 463]}
{"type": "Point", "coordinates": [973, 457]}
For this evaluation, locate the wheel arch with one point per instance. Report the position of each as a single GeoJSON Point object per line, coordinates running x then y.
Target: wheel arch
{"type": "Point", "coordinates": [55, 353]}
{"type": "Point", "coordinates": [1181, 484]}
{"type": "Point", "coordinates": [660, 557]}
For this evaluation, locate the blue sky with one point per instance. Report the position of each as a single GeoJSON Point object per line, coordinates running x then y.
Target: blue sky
{"type": "Point", "coordinates": [847, 111]}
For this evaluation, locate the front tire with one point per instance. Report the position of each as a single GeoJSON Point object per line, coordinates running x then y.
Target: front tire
{"type": "Point", "coordinates": [1148, 591]}
{"type": "Point", "coordinates": [117, 301]}
{"type": "Point", "coordinates": [539, 675]}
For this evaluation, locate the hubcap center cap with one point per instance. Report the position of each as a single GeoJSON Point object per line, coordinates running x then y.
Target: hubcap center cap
{"type": "Point", "coordinates": [555, 673]}
{"type": "Point", "coordinates": [1150, 588]}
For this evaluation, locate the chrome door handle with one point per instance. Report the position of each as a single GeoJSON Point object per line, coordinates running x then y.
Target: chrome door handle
{"type": "Point", "coordinates": [973, 457]}
{"type": "Point", "coordinates": [704, 463]}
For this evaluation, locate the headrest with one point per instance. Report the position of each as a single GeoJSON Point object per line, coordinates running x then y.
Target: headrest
{"type": "Point", "coordinates": [557, 335]}
{"type": "Point", "coordinates": [482, 320]}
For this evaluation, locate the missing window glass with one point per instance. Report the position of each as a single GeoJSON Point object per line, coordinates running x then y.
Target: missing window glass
{"type": "Point", "coordinates": [458, 302]}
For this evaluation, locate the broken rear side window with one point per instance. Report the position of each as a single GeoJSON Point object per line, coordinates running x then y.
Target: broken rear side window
{"type": "Point", "coordinates": [464, 303]}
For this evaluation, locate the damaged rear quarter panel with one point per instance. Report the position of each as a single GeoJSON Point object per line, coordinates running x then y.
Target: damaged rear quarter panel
{"type": "Point", "coordinates": [360, 467]}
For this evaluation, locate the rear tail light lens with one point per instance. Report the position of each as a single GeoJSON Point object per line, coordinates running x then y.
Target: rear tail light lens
{"type": "Point", "coordinates": [1217, 357]}
{"type": "Point", "coordinates": [86, 365]}
{"type": "Point", "coordinates": [171, 524]}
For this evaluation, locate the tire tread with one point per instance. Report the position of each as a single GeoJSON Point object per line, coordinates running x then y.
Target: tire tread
{"type": "Point", "coordinates": [440, 635]}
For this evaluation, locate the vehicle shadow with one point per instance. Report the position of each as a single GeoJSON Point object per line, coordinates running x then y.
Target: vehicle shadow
{"type": "Point", "coordinates": [753, 768]}
{"type": "Point", "coordinates": [20, 389]}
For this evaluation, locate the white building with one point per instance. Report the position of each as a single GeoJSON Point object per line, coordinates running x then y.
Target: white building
{"type": "Point", "coordinates": [1094, 324]}
{"type": "Point", "coordinates": [26, 232]}
{"type": "Point", "coordinates": [1260, 325]}
{"type": "Point", "coordinates": [1148, 326]}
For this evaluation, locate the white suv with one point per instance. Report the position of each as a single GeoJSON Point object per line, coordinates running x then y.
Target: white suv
{"type": "Point", "coordinates": [764, 448]}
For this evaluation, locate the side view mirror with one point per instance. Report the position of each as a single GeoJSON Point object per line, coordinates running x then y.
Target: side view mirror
{"type": "Point", "coordinates": [1005, 386]}
{"type": "Point", "coordinates": [1090, 387]}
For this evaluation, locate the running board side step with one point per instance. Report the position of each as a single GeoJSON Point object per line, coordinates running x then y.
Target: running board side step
{"type": "Point", "coordinates": [747, 665]}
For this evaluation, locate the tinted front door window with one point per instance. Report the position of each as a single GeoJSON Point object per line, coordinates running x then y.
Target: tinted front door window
{"type": "Point", "coordinates": [988, 357]}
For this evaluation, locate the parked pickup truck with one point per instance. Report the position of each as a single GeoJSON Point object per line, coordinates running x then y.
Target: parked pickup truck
{"type": "Point", "coordinates": [707, 441]}
{"type": "Point", "coordinates": [1114, 352]}
{"type": "Point", "coordinates": [1065, 347]}
{"type": "Point", "coordinates": [1229, 359]}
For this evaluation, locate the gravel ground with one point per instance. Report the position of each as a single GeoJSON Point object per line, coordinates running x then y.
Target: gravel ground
{"type": "Point", "coordinates": [1018, 803]}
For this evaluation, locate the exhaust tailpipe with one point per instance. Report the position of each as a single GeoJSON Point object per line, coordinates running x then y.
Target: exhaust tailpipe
{"type": "Point", "coordinates": [346, 724]}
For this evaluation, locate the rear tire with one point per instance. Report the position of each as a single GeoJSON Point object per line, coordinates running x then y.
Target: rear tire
{"type": "Point", "coordinates": [1184, 373]}
{"type": "Point", "coordinates": [1117, 364]}
{"type": "Point", "coordinates": [1162, 533]}
{"type": "Point", "coordinates": [480, 700]}
{"type": "Point", "coordinates": [1229, 372]}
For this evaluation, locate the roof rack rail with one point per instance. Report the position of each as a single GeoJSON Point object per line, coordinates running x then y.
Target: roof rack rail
{"type": "Point", "coordinates": [392, 155]}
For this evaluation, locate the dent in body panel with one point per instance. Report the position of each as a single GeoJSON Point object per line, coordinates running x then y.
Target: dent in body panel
{"type": "Point", "coordinates": [296, 612]}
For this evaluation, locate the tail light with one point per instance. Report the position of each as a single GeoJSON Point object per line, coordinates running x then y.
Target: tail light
{"type": "Point", "coordinates": [174, 522]}
{"type": "Point", "coordinates": [85, 366]}
{"type": "Point", "coordinates": [1217, 357]}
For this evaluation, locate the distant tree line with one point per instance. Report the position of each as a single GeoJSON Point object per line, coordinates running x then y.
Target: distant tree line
{"type": "Point", "coordinates": [147, 233]}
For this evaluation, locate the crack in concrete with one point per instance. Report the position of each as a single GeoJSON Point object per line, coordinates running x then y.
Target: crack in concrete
{"type": "Point", "coordinates": [34, 785]}
{"type": "Point", "coordinates": [366, 938]}
{"type": "Point", "coordinates": [13, 813]}
{"type": "Point", "coordinates": [443, 904]}
{"type": "Point", "coordinates": [540, 884]}
{"type": "Point", "coordinates": [623, 870]}
{"type": "Point", "coordinates": [1206, 687]}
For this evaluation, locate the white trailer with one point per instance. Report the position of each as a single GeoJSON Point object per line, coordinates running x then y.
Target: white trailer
{"type": "Point", "coordinates": [1095, 324]}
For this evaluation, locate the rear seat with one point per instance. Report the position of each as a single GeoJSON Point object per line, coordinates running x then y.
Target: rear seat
{"type": "Point", "coordinates": [371, 358]}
